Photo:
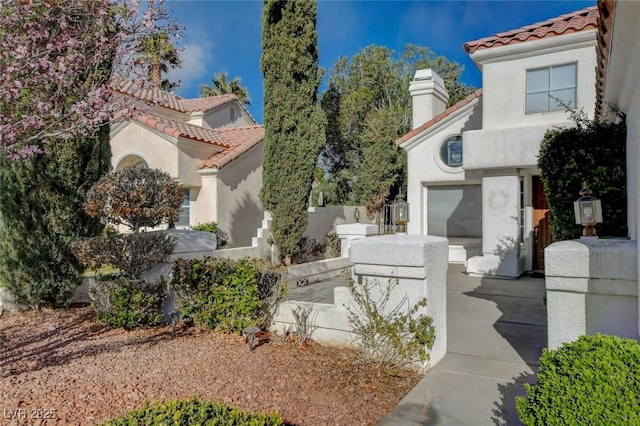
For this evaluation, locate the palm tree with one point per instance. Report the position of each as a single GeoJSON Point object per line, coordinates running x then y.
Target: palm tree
{"type": "Point", "coordinates": [159, 54]}
{"type": "Point", "coordinates": [222, 86]}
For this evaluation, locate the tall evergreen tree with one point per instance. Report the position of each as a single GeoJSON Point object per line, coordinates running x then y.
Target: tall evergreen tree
{"type": "Point", "coordinates": [41, 214]}
{"type": "Point", "coordinates": [294, 121]}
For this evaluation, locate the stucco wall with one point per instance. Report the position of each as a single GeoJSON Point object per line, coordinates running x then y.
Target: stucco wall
{"type": "Point", "coordinates": [133, 139]}
{"type": "Point", "coordinates": [322, 220]}
{"type": "Point", "coordinates": [426, 167]}
{"type": "Point", "coordinates": [240, 211]}
{"type": "Point", "coordinates": [504, 77]}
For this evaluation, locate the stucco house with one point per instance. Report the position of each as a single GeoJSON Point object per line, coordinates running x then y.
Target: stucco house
{"type": "Point", "coordinates": [592, 284]}
{"type": "Point", "coordinates": [472, 168]}
{"type": "Point", "coordinates": [212, 146]}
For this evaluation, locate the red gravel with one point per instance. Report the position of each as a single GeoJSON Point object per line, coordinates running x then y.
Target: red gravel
{"type": "Point", "coordinates": [63, 364]}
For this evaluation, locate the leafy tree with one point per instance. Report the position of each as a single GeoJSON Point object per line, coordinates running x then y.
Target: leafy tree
{"type": "Point", "coordinates": [368, 106]}
{"type": "Point", "coordinates": [159, 54]}
{"type": "Point", "coordinates": [136, 197]}
{"type": "Point", "coordinates": [574, 158]}
{"type": "Point", "coordinates": [294, 121]}
{"type": "Point", "coordinates": [222, 86]}
{"type": "Point", "coordinates": [41, 215]}
{"type": "Point", "coordinates": [53, 54]}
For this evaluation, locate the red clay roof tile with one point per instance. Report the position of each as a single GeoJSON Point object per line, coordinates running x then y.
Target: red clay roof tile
{"type": "Point", "coordinates": [585, 19]}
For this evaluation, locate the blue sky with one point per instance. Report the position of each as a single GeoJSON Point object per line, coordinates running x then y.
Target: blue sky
{"type": "Point", "coordinates": [225, 35]}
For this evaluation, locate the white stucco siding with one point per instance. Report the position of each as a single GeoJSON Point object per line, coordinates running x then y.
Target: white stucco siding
{"type": "Point", "coordinates": [158, 150]}
{"type": "Point", "coordinates": [426, 167]}
{"type": "Point", "coordinates": [504, 148]}
{"type": "Point", "coordinates": [191, 154]}
{"type": "Point", "coordinates": [204, 199]}
{"type": "Point", "coordinates": [223, 117]}
{"type": "Point", "coordinates": [239, 210]}
{"type": "Point", "coordinates": [504, 73]}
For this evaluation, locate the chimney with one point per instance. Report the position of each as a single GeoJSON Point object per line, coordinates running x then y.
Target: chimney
{"type": "Point", "coordinates": [429, 97]}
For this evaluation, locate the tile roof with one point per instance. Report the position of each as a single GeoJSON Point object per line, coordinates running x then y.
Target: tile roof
{"type": "Point", "coordinates": [243, 138]}
{"type": "Point", "coordinates": [585, 19]}
{"type": "Point", "coordinates": [235, 141]}
{"type": "Point", "coordinates": [168, 100]}
{"type": "Point", "coordinates": [179, 129]}
{"type": "Point", "coordinates": [447, 112]}
{"type": "Point", "coordinates": [606, 8]}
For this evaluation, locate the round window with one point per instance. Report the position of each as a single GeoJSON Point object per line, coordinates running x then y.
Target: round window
{"type": "Point", "coordinates": [451, 151]}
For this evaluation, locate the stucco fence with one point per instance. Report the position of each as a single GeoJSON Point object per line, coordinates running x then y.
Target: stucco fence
{"type": "Point", "coordinates": [592, 287]}
{"type": "Point", "coordinates": [415, 265]}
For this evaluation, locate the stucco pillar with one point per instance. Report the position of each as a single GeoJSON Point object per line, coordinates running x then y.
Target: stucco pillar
{"type": "Point", "coordinates": [419, 264]}
{"type": "Point", "coordinates": [592, 287]}
{"type": "Point", "coordinates": [500, 229]}
{"type": "Point", "coordinates": [205, 206]}
{"type": "Point", "coordinates": [350, 232]}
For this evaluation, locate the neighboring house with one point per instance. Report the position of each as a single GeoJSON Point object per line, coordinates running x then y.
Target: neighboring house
{"type": "Point", "coordinates": [472, 168]}
{"type": "Point", "coordinates": [212, 146]}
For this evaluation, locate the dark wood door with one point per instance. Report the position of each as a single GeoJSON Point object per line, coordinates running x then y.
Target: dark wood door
{"type": "Point", "coordinates": [541, 224]}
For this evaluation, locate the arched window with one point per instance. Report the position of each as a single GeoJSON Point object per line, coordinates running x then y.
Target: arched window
{"type": "Point", "coordinates": [451, 151]}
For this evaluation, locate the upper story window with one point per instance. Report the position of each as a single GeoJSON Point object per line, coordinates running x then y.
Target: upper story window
{"type": "Point", "coordinates": [232, 114]}
{"type": "Point", "coordinates": [451, 151]}
{"type": "Point", "coordinates": [548, 88]}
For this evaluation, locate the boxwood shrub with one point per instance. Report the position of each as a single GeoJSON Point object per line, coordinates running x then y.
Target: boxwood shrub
{"type": "Point", "coordinates": [592, 381]}
{"type": "Point", "coordinates": [194, 412]}
{"type": "Point", "coordinates": [228, 295]}
{"type": "Point", "coordinates": [127, 303]}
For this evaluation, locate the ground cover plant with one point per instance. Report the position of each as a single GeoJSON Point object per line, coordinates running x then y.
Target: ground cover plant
{"type": "Point", "coordinates": [594, 380]}
{"type": "Point", "coordinates": [194, 412]}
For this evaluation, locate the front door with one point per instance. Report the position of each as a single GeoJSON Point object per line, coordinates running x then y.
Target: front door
{"type": "Point", "coordinates": [541, 226]}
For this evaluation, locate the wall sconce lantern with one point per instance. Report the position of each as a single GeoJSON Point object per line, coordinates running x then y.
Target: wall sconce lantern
{"type": "Point", "coordinates": [588, 212]}
{"type": "Point", "coordinates": [356, 215]}
{"type": "Point", "coordinates": [400, 213]}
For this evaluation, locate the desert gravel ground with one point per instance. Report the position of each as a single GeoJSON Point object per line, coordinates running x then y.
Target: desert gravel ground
{"type": "Point", "coordinates": [63, 365]}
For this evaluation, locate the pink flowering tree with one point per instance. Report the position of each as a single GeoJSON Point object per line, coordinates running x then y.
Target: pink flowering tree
{"type": "Point", "coordinates": [57, 58]}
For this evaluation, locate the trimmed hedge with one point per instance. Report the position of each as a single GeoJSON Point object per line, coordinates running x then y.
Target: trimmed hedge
{"type": "Point", "coordinates": [228, 295]}
{"type": "Point", "coordinates": [592, 154]}
{"type": "Point", "coordinates": [128, 303]}
{"type": "Point", "coordinates": [592, 381]}
{"type": "Point", "coordinates": [194, 412]}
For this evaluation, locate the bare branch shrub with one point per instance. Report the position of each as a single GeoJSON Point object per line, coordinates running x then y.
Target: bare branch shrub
{"type": "Point", "coordinates": [395, 335]}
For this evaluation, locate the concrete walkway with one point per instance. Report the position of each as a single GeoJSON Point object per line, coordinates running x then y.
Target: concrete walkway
{"type": "Point", "coordinates": [495, 330]}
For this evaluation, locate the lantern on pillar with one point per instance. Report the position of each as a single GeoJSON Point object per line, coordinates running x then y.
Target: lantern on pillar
{"type": "Point", "coordinates": [400, 213]}
{"type": "Point", "coordinates": [588, 212]}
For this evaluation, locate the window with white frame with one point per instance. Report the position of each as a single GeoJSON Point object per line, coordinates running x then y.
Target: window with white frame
{"type": "Point", "coordinates": [185, 210]}
{"type": "Point", "coordinates": [550, 87]}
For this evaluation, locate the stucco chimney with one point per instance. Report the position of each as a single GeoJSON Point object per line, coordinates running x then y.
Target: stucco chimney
{"type": "Point", "coordinates": [429, 97]}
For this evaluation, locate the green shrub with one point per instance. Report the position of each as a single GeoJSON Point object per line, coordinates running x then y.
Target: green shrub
{"type": "Point", "coordinates": [228, 295]}
{"type": "Point", "coordinates": [592, 381]}
{"type": "Point", "coordinates": [332, 245]}
{"type": "Point", "coordinates": [206, 227]}
{"type": "Point", "coordinates": [212, 227]}
{"type": "Point", "coordinates": [127, 303]}
{"type": "Point", "coordinates": [590, 154]}
{"type": "Point", "coordinates": [194, 412]}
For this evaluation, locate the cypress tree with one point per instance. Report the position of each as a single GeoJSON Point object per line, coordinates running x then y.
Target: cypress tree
{"type": "Point", "coordinates": [41, 214]}
{"type": "Point", "coordinates": [294, 121]}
